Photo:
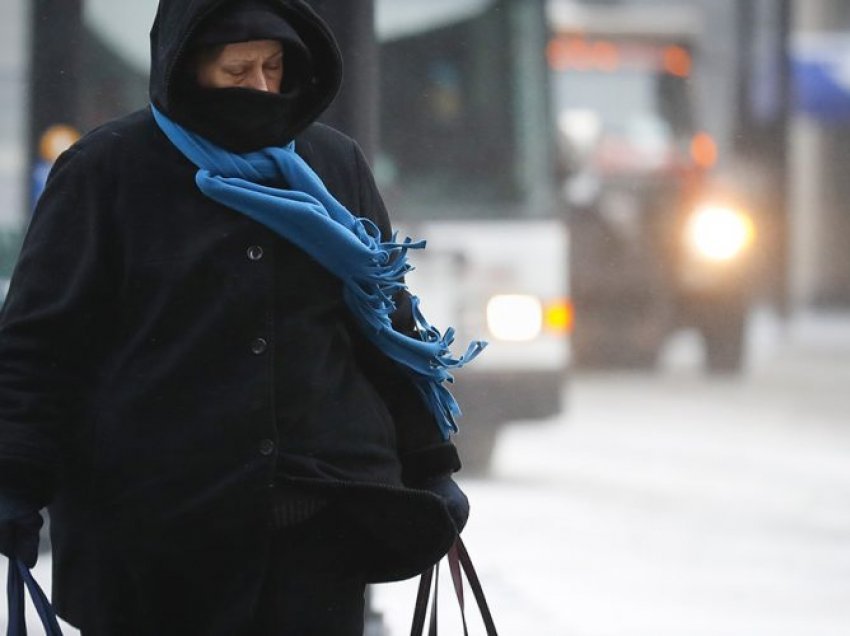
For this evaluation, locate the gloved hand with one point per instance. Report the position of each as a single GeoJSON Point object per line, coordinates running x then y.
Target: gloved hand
{"type": "Point", "coordinates": [19, 531]}
{"type": "Point", "coordinates": [446, 488]}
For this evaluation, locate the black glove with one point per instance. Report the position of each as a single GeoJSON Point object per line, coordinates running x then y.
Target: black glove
{"type": "Point", "coordinates": [447, 490]}
{"type": "Point", "coordinates": [19, 527]}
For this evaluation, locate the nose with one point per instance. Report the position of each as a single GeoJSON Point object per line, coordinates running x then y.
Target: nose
{"type": "Point", "coordinates": [258, 81]}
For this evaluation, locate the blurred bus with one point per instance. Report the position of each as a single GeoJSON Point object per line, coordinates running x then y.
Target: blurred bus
{"type": "Point", "coordinates": [466, 160]}
{"type": "Point", "coordinates": [656, 246]}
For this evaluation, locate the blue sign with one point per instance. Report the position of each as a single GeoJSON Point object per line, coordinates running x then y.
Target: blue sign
{"type": "Point", "coordinates": [821, 76]}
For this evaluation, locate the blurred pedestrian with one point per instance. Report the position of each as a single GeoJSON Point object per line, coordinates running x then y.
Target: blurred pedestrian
{"type": "Point", "coordinates": [53, 142]}
{"type": "Point", "coordinates": [210, 369]}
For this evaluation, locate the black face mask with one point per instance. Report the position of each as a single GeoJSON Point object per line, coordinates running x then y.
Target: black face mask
{"type": "Point", "coordinates": [239, 119]}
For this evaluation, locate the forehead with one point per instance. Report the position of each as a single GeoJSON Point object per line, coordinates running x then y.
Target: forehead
{"type": "Point", "coordinates": [252, 49]}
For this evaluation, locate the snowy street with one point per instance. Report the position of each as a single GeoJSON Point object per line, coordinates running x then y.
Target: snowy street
{"type": "Point", "coordinates": [675, 505]}
{"type": "Point", "coordinates": [671, 504]}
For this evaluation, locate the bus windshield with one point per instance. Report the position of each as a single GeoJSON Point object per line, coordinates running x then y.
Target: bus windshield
{"type": "Point", "coordinates": [115, 59]}
{"type": "Point", "coordinates": [117, 27]}
{"type": "Point", "coordinates": [454, 138]}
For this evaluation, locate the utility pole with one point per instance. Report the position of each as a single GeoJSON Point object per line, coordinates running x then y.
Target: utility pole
{"type": "Point", "coordinates": [53, 106]}
{"type": "Point", "coordinates": [778, 141]}
{"type": "Point", "coordinates": [761, 136]}
{"type": "Point", "coordinates": [54, 66]}
{"type": "Point", "coordinates": [821, 217]}
{"type": "Point", "coordinates": [355, 111]}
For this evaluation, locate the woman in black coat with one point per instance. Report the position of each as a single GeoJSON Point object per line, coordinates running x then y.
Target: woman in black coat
{"type": "Point", "coordinates": [222, 450]}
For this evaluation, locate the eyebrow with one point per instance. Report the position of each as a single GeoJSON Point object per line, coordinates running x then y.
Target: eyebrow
{"type": "Point", "coordinates": [247, 60]}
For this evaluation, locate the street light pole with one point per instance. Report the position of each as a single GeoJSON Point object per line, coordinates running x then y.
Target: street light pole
{"type": "Point", "coordinates": [54, 66]}
{"type": "Point", "coordinates": [763, 120]}
{"type": "Point", "coordinates": [355, 111]}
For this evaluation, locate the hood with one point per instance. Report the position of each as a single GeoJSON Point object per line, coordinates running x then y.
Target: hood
{"type": "Point", "coordinates": [177, 22]}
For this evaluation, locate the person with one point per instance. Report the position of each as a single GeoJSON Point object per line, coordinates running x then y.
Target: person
{"type": "Point", "coordinates": [233, 431]}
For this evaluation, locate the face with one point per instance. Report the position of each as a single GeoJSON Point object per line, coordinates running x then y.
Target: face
{"type": "Point", "coordinates": [257, 64]}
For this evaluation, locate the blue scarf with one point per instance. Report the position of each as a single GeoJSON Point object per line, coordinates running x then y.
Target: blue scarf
{"type": "Point", "coordinates": [372, 270]}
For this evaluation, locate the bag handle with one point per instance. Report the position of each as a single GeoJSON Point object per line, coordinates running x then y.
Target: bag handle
{"type": "Point", "coordinates": [459, 562]}
{"type": "Point", "coordinates": [19, 581]}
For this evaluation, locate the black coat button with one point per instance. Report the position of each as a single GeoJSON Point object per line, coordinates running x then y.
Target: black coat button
{"type": "Point", "coordinates": [267, 447]}
{"type": "Point", "coordinates": [259, 346]}
{"type": "Point", "coordinates": [255, 253]}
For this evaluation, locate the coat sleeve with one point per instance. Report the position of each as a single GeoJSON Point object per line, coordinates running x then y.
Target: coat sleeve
{"type": "Point", "coordinates": [423, 451]}
{"type": "Point", "coordinates": [50, 326]}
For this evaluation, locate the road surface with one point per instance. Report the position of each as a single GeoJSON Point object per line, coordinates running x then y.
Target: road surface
{"type": "Point", "coordinates": [675, 505]}
{"type": "Point", "coordinates": [671, 504]}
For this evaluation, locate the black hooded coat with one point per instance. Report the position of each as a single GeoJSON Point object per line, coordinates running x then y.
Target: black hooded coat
{"type": "Point", "coordinates": [167, 364]}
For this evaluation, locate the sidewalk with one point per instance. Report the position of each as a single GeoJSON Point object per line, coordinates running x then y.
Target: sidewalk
{"type": "Point", "coordinates": [669, 504]}
{"type": "Point", "coordinates": [676, 504]}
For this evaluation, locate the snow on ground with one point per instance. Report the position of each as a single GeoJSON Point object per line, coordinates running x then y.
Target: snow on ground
{"type": "Point", "coordinates": [675, 504]}
{"type": "Point", "coordinates": [671, 504]}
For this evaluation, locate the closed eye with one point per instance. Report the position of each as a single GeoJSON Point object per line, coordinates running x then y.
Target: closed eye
{"type": "Point", "coordinates": [235, 71]}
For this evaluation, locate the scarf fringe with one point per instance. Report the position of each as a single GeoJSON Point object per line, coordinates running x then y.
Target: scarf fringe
{"type": "Point", "coordinates": [372, 270]}
{"type": "Point", "coordinates": [428, 359]}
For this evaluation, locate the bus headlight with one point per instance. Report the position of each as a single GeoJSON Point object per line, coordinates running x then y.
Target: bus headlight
{"type": "Point", "coordinates": [515, 317]}
{"type": "Point", "coordinates": [719, 233]}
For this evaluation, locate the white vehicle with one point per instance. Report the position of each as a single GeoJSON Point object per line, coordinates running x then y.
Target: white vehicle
{"type": "Point", "coordinates": [466, 162]}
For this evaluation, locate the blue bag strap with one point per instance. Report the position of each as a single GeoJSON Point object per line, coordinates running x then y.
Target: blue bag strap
{"type": "Point", "coordinates": [17, 625]}
{"type": "Point", "coordinates": [19, 579]}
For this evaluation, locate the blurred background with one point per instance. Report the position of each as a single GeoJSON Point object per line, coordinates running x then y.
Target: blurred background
{"type": "Point", "coordinates": [643, 206]}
